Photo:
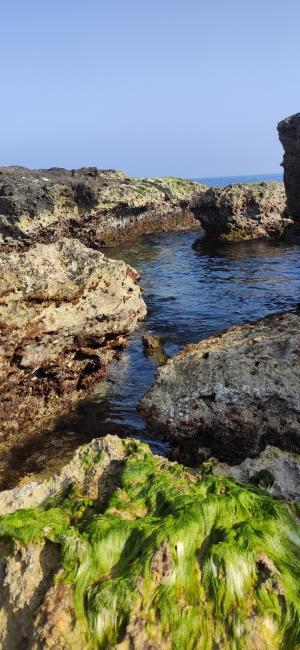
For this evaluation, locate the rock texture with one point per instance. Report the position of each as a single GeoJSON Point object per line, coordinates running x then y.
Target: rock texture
{"type": "Point", "coordinates": [124, 550]}
{"type": "Point", "coordinates": [289, 135]}
{"type": "Point", "coordinates": [66, 311]}
{"type": "Point", "coordinates": [233, 393]}
{"type": "Point", "coordinates": [243, 211]}
{"type": "Point", "coordinates": [100, 208]}
{"type": "Point", "coordinates": [274, 469]}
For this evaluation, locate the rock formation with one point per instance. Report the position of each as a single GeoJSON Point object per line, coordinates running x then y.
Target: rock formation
{"type": "Point", "coordinates": [101, 208]}
{"type": "Point", "coordinates": [124, 550]}
{"type": "Point", "coordinates": [153, 347]}
{"type": "Point", "coordinates": [66, 311]}
{"type": "Point", "coordinates": [243, 211]}
{"type": "Point", "coordinates": [232, 394]}
{"type": "Point", "coordinates": [274, 469]}
{"type": "Point", "coordinates": [289, 135]}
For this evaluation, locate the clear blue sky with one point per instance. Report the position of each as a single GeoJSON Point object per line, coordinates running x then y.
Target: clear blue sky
{"type": "Point", "coordinates": [185, 87]}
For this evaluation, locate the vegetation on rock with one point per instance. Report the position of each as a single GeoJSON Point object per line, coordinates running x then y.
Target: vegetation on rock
{"type": "Point", "coordinates": [173, 559]}
{"type": "Point", "coordinates": [99, 207]}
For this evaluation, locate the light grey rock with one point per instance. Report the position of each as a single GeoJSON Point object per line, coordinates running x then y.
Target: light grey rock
{"type": "Point", "coordinates": [233, 393]}
{"type": "Point", "coordinates": [281, 467]}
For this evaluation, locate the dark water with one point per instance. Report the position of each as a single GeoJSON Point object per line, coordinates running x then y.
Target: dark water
{"type": "Point", "coordinates": [192, 289]}
{"type": "Point", "coordinates": [228, 180]}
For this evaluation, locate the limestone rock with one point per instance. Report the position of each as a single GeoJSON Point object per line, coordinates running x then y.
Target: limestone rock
{"type": "Point", "coordinates": [66, 311]}
{"type": "Point", "coordinates": [98, 207]}
{"type": "Point", "coordinates": [243, 211]}
{"type": "Point", "coordinates": [275, 469]}
{"type": "Point", "coordinates": [289, 135]}
{"type": "Point", "coordinates": [94, 470]}
{"type": "Point", "coordinates": [234, 393]}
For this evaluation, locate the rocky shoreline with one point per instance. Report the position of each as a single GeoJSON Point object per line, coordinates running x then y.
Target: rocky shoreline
{"type": "Point", "coordinates": [231, 395]}
{"type": "Point", "coordinates": [101, 208]}
{"type": "Point", "coordinates": [122, 548]}
{"type": "Point", "coordinates": [244, 211]}
{"type": "Point", "coordinates": [66, 313]}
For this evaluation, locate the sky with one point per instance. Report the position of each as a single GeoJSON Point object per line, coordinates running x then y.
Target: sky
{"type": "Point", "coordinates": [164, 87]}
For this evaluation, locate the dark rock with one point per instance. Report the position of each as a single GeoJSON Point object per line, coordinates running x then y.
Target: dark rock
{"type": "Point", "coordinates": [99, 207]}
{"type": "Point", "coordinates": [289, 135]}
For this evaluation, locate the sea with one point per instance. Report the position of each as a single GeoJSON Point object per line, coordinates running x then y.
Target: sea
{"type": "Point", "coordinates": [221, 181]}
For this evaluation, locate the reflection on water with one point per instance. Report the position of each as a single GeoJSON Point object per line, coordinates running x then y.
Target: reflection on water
{"type": "Point", "coordinates": [192, 289]}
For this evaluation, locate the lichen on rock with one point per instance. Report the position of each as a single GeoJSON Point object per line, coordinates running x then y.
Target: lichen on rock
{"type": "Point", "coordinates": [168, 560]}
{"type": "Point", "coordinates": [98, 207]}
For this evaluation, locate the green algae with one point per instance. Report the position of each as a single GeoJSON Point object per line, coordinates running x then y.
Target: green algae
{"type": "Point", "coordinates": [196, 561]}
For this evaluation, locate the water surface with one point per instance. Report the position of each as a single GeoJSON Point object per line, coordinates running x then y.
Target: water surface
{"type": "Point", "coordinates": [192, 289]}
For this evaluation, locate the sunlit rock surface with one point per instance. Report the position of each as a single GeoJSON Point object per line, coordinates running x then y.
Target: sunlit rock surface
{"type": "Point", "coordinates": [243, 211]}
{"type": "Point", "coordinates": [66, 312]}
{"type": "Point", "coordinates": [126, 550]}
{"type": "Point", "coordinates": [99, 207]}
{"type": "Point", "coordinates": [277, 470]}
{"type": "Point", "coordinates": [232, 394]}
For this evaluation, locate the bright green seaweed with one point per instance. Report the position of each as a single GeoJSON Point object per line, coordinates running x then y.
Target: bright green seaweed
{"type": "Point", "coordinates": [198, 562]}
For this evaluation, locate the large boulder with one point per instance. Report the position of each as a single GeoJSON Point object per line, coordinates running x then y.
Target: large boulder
{"type": "Point", "coordinates": [124, 550]}
{"type": "Point", "coordinates": [66, 311]}
{"type": "Point", "coordinates": [233, 393]}
{"type": "Point", "coordinates": [289, 135]}
{"type": "Point", "coordinates": [98, 207]}
{"type": "Point", "coordinates": [243, 211]}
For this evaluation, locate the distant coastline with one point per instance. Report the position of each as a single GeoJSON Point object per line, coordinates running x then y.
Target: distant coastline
{"type": "Point", "coordinates": [228, 180]}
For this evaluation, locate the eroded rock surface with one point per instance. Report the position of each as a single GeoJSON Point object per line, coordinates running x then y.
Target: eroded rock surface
{"type": "Point", "coordinates": [243, 211]}
{"type": "Point", "coordinates": [66, 311]}
{"type": "Point", "coordinates": [233, 393]}
{"type": "Point", "coordinates": [101, 208]}
{"type": "Point", "coordinates": [98, 555]}
{"type": "Point", "coordinates": [289, 135]}
{"type": "Point", "coordinates": [277, 470]}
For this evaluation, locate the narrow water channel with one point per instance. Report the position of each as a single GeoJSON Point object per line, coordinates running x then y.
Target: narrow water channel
{"type": "Point", "coordinates": [192, 289]}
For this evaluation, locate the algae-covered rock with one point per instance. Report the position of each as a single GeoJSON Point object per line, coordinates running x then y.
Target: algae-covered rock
{"type": "Point", "coordinates": [158, 558]}
{"type": "Point", "coordinates": [233, 393]}
{"type": "Point", "coordinates": [66, 311]}
{"type": "Point", "coordinates": [243, 211]}
{"type": "Point", "coordinates": [99, 207]}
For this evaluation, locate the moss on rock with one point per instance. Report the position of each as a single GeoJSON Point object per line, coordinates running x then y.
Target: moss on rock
{"type": "Point", "coordinates": [173, 559]}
